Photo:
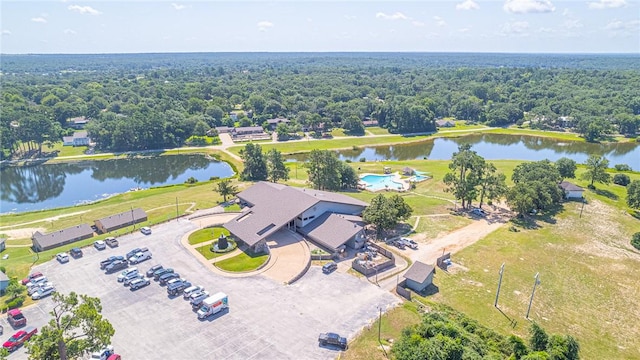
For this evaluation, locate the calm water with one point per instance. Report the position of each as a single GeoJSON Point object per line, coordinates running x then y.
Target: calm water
{"type": "Point", "coordinates": [499, 147]}
{"type": "Point", "coordinates": [58, 185]}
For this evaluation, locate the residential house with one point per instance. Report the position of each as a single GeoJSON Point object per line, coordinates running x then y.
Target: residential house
{"type": "Point", "coordinates": [565, 121]}
{"type": "Point", "coordinates": [4, 282]}
{"type": "Point", "coordinates": [273, 123]}
{"type": "Point", "coordinates": [325, 218]}
{"type": "Point", "coordinates": [249, 133]}
{"type": "Point", "coordinates": [367, 122]}
{"type": "Point", "coordinates": [571, 191]}
{"type": "Point", "coordinates": [445, 123]}
{"type": "Point", "coordinates": [42, 242]}
{"type": "Point", "coordinates": [79, 138]}
{"type": "Point", "coordinates": [78, 122]}
{"type": "Point", "coordinates": [120, 220]}
{"type": "Point", "coordinates": [419, 276]}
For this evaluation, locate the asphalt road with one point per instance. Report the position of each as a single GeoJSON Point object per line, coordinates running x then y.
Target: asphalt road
{"type": "Point", "coordinates": [266, 320]}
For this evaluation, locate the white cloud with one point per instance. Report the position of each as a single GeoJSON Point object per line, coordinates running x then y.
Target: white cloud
{"type": "Point", "coordinates": [618, 27]}
{"type": "Point", "coordinates": [528, 6]}
{"type": "Point", "coordinates": [6, 32]}
{"type": "Point", "coordinates": [69, 32]}
{"type": "Point", "coordinates": [84, 9]}
{"type": "Point", "coordinates": [515, 28]}
{"type": "Point", "coordinates": [39, 20]}
{"type": "Point", "coordinates": [264, 25]}
{"type": "Point", "coordinates": [178, 6]}
{"type": "Point", "coordinates": [571, 24]}
{"type": "Point", "coordinates": [395, 16]}
{"type": "Point", "coordinates": [468, 5]}
{"type": "Point", "coordinates": [350, 17]}
{"type": "Point", "coordinates": [463, 30]}
{"type": "Point", "coordinates": [605, 4]}
{"type": "Point", "coordinates": [417, 23]}
{"type": "Point", "coordinates": [439, 21]}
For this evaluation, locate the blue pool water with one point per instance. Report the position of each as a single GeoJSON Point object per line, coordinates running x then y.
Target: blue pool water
{"type": "Point", "coordinates": [379, 182]}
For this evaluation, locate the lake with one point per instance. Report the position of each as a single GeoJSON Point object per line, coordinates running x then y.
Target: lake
{"type": "Point", "coordinates": [497, 147]}
{"type": "Point", "coordinates": [48, 186]}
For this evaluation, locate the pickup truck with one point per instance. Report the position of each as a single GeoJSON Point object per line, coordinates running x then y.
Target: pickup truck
{"type": "Point", "coordinates": [140, 257]}
{"type": "Point", "coordinates": [115, 266]}
{"type": "Point", "coordinates": [16, 318]}
{"type": "Point", "coordinates": [18, 339]}
{"type": "Point", "coordinates": [108, 261]}
{"type": "Point", "coordinates": [332, 339]}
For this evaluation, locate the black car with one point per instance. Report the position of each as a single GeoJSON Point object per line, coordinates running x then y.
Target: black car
{"type": "Point", "coordinates": [329, 267]}
{"type": "Point", "coordinates": [177, 287]}
{"type": "Point", "coordinates": [76, 252]}
{"type": "Point", "coordinates": [159, 273]}
{"type": "Point", "coordinates": [110, 260]}
{"type": "Point", "coordinates": [116, 265]}
{"type": "Point", "coordinates": [166, 277]}
{"type": "Point", "coordinates": [332, 339]}
{"type": "Point", "coordinates": [153, 269]}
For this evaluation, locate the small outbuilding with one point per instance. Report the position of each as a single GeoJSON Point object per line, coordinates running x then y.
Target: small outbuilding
{"type": "Point", "coordinates": [445, 123]}
{"type": "Point", "coordinates": [571, 191]}
{"type": "Point", "coordinates": [4, 282]}
{"type": "Point", "coordinates": [419, 276]}
{"type": "Point", "coordinates": [407, 171]}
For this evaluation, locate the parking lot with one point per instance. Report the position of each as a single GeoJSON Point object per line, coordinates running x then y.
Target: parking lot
{"type": "Point", "coordinates": [265, 320]}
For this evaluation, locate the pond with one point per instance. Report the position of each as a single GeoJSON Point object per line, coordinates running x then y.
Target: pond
{"type": "Point", "coordinates": [498, 147]}
{"type": "Point", "coordinates": [48, 186]}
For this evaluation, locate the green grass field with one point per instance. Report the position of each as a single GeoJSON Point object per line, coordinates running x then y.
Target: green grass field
{"type": "Point", "coordinates": [207, 234]}
{"type": "Point", "coordinates": [207, 253]}
{"type": "Point", "coordinates": [243, 262]}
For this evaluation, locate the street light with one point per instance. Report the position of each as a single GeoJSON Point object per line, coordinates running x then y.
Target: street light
{"type": "Point", "coordinates": [537, 281]}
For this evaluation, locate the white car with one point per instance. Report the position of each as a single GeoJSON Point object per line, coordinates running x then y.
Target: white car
{"type": "Point", "coordinates": [43, 292]}
{"type": "Point", "coordinates": [62, 257]}
{"type": "Point", "coordinates": [37, 287]}
{"type": "Point", "coordinates": [191, 289]}
{"type": "Point", "coordinates": [102, 354]}
{"type": "Point", "coordinates": [139, 283]}
{"type": "Point", "coordinates": [130, 272]}
{"type": "Point", "coordinates": [145, 230]}
{"type": "Point", "coordinates": [100, 245]}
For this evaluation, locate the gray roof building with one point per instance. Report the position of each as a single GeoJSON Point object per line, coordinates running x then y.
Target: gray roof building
{"type": "Point", "coordinates": [331, 230]}
{"type": "Point", "coordinates": [567, 186]}
{"type": "Point", "coordinates": [121, 220]}
{"type": "Point", "coordinates": [42, 242]}
{"type": "Point", "coordinates": [273, 206]}
{"type": "Point", "coordinates": [419, 276]}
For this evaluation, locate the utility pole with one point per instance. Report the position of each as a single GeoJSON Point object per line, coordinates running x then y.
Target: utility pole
{"type": "Point", "coordinates": [495, 304]}
{"type": "Point", "coordinates": [537, 281]}
{"type": "Point", "coordinates": [379, 324]}
{"type": "Point", "coordinates": [133, 220]}
{"type": "Point", "coordinates": [582, 208]}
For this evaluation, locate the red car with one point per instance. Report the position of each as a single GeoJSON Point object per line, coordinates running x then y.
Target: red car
{"type": "Point", "coordinates": [19, 338]}
{"type": "Point", "coordinates": [31, 276]}
{"type": "Point", "coordinates": [16, 318]}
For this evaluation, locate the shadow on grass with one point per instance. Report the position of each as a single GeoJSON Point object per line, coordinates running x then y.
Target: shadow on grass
{"type": "Point", "coordinates": [429, 290]}
{"type": "Point", "coordinates": [532, 222]}
{"type": "Point", "coordinates": [605, 193]}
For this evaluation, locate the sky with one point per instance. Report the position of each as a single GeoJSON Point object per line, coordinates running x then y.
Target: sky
{"type": "Point", "coordinates": [143, 26]}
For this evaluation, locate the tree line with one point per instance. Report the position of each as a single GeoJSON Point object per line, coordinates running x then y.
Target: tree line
{"type": "Point", "coordinates": [149, 107]}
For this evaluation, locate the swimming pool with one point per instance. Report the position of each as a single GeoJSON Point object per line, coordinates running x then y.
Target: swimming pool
{"type": "Point", "coordinates": [379, 182]}
{"type": "Point", "coordinates": [420, 176]}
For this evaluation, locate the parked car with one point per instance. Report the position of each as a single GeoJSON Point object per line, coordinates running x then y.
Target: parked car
{"type": "Point", "coordinates": [139, 283]}
{"type": "Point", "coordinates": [16, 318]}
{"type": "Point", "coordinates": [145, 230]}
{"type": "Point", "coordinates": [37, 287]}
{"type": "Point", "coordinates": [31, 276]}
{"type": "Point", "coordinates": [191, 289]}
{"type": "Point", "coordinates": [36, 281]}
{"type": "Point", "coordinates": [176, 288]}
{"type": "Point", "coordinates": [76, 252]}
{"type": "Point", "coordinates": [127, 273]}
{"type": "Point", "coordinates": [478, 212]}
{"type": "Point", "coordinates": [127, 281]}
{"type": "Point", "coordinates": [103, 354]}
{"type": "Point", "coordinates": [140, 257]}
{"type": "Point", "coordinates": [196, 298]}
{"type": "Point", "coordinates": [44, 292]}
{"type": "Point", "coordinates": [99, 244]}
{"type": "Point", "coordinates": [410, 243]}
{"type": "Point", "coordinates": [166, 277]}
{"type": "Point", "coordinates": [153, 269]}
{"type": "Point", "coordinates": [329, 267]}
{"type": "Point", "coordinates": [115, 266]}
{"type": "Point", "coordinates": [110, 260]}
{"type": "Point", "coordinates": [18, 339]}
{"type": "Point", "coordinates": [62, 257]}
{"type": "Point", "coordinates": [161, 272]}
{"type": "Point", "coordinates": [111, 241]}
{"type": "Point", "coordinates": [399, 244]}
{"type": "Point", "coordinates": [174, 280]}
{"type": "Point", "coordinates": [332, 339]}
{"type": "Point", "coordinates": [135, 251]}
{"type": "Point", "coordinates": [114, 357]}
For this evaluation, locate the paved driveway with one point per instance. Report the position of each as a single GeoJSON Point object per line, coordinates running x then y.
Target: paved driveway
{"type": "Point", "coordinates": [266, 320]}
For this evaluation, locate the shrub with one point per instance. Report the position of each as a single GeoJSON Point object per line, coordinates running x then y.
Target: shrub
{"type": "Point", "coordinates": [621, 179]}
{"type": "Point", "coordinates": [191, 180]}
{"type": "Point", "coordinates": [348, 161]}
{"type": "Point", "coordinates": [3, 269]}
{"type": "Point", "coordinates": [363, 159]}
{"type": "Point", "coordinates": [635, 240]}
{"type": "Point", "coordinates": [622, 167]}
{"type": "Point", "coordinates": [15, 303]}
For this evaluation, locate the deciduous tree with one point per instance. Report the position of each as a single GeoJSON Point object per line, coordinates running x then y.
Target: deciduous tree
{"type": "Point", "coordinates": [597, 170]}
{"type": "Point", "coordinates": [276, 168]}
{"type": "Point", "coordinates": [225, 188]}
{"type": "Point", "coordinates": [255, 166]}
{"type": "Point", "coordinates": [77, 328]}
{"type": "Point", "coordinates": [633, 194]}
{"type": "Point", "coordinates": [566, 167]}
{"type": "Point", "coordinates": [461, 180]}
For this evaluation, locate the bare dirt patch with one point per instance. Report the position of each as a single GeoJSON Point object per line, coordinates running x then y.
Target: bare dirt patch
{"type": "Point", "coordinates": [24, 233]}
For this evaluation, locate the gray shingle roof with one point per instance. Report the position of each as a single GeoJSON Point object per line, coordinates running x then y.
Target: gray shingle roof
{"type": "Point", "coordinates": [331, 230]}
{"type": "Point", "coordinates": [117, 220]}
{"type": "Point", "coordinates": [567, 186]}
{"type": "Point", "coordinates": [419, 272]}
{"type": "Point", "coordinates": [62, 236]}
{"type": "Point", "coordinates": [3, 276]}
